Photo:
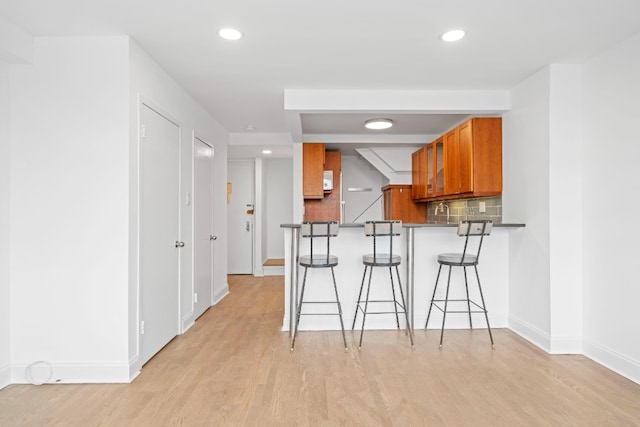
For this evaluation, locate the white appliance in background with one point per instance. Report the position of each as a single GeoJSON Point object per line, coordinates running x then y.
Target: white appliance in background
{"type": "Point", "coordinates": [327, 181]}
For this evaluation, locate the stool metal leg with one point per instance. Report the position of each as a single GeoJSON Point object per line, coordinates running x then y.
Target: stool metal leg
{"type": "Point", "coordinates": [466, 286]}
{"type": "Point", "coordinates": [435, 288]}
{"type": "Point", "coordinates": [444, 313]}
{"type": "Point", "coordinates": [393, 292]}
{"type": "Point", "coordinates": [335, 287]}
{"type": "Point", "coordinates": [484, 307]}
{"type": "Point", "coordinates": [355, 316]}
{"type": "Point", "coordinates": [404, 306]}
{"type": "Point", "coordinates": [295, 332]}
{"type": "Point", "coordinates": [366, 305]}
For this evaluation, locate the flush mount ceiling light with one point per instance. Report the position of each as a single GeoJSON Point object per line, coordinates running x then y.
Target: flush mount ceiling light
{"type": "Point", "coordinates": [453, 35]}
{"type": "Point", "coordinates": [267, 151]}
{"type": "Point", "coordinates": [378, 124]}
{"type": "Point", "coordinates": [230, 34]}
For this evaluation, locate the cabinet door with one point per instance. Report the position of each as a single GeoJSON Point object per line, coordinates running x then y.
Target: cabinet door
{"type": "Point", "coordinates": [438, 167]}
{"type": "Point", "coordinates": [419, 174]}
{"type": "Point", "coordinates": [431, 175]}
{"type": "Point", "coordinates": [465, 157]}
{"type": "Point", "coordinates": [451, 163]}
{"type": "Point", "coordinates": [312, 170]}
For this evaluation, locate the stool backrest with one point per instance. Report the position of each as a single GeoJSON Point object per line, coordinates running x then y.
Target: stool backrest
{"type": "Point", "coordinates": [319, 229]}
{"type": "Point", "coordinates": [384, 229]}
{"type": "Point", "coordinates": [474, 228]}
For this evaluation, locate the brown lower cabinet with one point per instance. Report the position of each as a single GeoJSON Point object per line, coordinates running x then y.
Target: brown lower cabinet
{"type": "Point", "coordinates": [399, 205]}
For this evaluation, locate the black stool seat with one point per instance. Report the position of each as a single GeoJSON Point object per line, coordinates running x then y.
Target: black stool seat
{"type": "Point", "coordinates": [318, 261]}
{"type": "Point", "coordinates": [381, 260]}
{"type": "Point", "coordinates": [467, 229]}
{"type": "Point", "coordinates": [457, 259]}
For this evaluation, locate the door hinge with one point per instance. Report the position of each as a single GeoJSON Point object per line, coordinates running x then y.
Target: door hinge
{"type": "Point", "coordinates": [142, 327]}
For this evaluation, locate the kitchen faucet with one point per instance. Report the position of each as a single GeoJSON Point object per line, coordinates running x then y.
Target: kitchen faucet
{"type": "Point", "coordinates": [441, 206]}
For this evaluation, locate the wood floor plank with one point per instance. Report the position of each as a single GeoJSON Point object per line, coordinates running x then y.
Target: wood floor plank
{"type": "Point", "coordinates": [234, 368]}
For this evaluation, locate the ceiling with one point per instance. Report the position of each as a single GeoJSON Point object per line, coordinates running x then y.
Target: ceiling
{"type": "Point", "coordinates": [338, 45]}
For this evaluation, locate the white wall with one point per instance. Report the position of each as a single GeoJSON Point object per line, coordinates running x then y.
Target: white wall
{"type": "Point", "coordinates": [278, 197]}
{"type": "Point", "coordinates": [69, 209]}
{"type": "Point", "coordinates": [359, 173]}
{"type": "Point", "coordinates": [565, 215]}
{"type": "Point", "coordinates": [611, 184]}
{"type": "Point", "coordinates": [525, 198]}
{"type": "Point", "coordinates": [73, 204]}
{"type": "Point", "coordinates": [5, 375]}
{"type": "Point", "coordinates": [149, 82]}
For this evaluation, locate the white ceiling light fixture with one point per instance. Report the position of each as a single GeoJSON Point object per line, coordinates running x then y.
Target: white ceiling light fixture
{"type": "Point", "coordinates": [230, 34]}
{"type": "Point", "coordinates": [378, 124]}
{"type": "Point", "coordinates": [267, 151]}
{"type": "Point", "coordinates": [453, 35]}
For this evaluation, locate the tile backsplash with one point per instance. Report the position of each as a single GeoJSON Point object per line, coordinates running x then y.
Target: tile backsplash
{"type": "Point", "coordinates": [454, 211]}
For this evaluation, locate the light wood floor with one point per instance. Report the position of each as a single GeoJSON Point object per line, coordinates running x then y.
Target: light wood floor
{"type": "Point", "coordinates": [234, 368]}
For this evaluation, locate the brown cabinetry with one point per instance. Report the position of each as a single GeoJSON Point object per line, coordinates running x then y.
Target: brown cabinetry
{"type": "Point", "coordinates": [464, 162]}
{"type": "Point", "coordinates": [419, 174]}
{"type": "Point", "coordinates": [313, 159]}
{"type": "Point", "coordinates": [327, 208]}
{"type": "Point", "coordinates": [399, 205]}
{"type": "Point", "coordinates": [479, 158]}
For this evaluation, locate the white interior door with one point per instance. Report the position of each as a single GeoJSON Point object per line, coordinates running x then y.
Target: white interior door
{"type": "Point", "coordinates": [159, 231]}
{"type": "Point", "coordinates": [240, 222]}
{"type": "Point", "coordinates": [204, 240]}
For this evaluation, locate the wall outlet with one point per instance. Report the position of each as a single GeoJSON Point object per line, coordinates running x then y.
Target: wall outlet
{"type": "Point", "coordinates": [482, 206]}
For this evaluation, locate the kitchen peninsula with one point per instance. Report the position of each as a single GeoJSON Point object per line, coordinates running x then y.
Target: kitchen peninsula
{"type": "Point", "coordinates": [419, 246]}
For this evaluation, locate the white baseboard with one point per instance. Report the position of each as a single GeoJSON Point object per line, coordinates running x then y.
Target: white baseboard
{"type": "Point", "coordinates": [71, 373]}
{"type": "Point", "coordinates": [218, 296]}
{"type": "Point", "coordinates": [277, 270]}
{"type": "Point", "coordinates": [566, 345]}
{"type": "Point", "coordinates": [613, 360]}
{"type": "Point", "coordinates": [530, 333]}
{"type": "Point", "coordinates": [550, 344]}
{"type": "Point", "coordinates": [5, 377]}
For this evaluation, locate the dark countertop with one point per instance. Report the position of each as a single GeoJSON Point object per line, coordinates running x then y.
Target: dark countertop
{"type": "Point", "coordinates": [428, 225]}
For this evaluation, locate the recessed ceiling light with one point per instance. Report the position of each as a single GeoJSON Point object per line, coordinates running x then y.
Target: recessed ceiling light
{"type": "Point", "coordinates": [266, 151]}
{"type": "Point", "coordinates": [453, 35]}
{"type": "Point", "coordinates": [378, 124]}
{"type": "Point", "coordinates": [250, 128]}
{"type": "Point", "coordinates": [230, 34]}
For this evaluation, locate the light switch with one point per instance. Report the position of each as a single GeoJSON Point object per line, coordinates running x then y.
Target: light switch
{"type": "Point", "coordinates": [482, 206]}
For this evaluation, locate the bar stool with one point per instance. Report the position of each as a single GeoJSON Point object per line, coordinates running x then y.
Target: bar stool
{"type": "Point", "coordinates": [318, 230]}
{"type": "Point", "coordinates": [475, 229]}
{"type": "Point", "coordinates": [385, 230]}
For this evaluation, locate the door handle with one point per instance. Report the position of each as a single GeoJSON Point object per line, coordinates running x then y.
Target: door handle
{"type": "Point", "coordinates": [212, 237]}
{"type": "Point", "coordinates": [179, 244]}
{"type": "Point", "coordinates": [248, 227]}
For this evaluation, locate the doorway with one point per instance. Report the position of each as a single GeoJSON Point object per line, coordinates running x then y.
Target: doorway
{"type": "Point", "coordinates": [159, 231]}
{"type": "Point", "coordinates": [240, 216]}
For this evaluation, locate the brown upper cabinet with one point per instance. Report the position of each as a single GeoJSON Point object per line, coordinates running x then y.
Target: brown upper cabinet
{"type": "Point", "coordinates": [419, 174]}
{"type": "Point", "coordinates": [464, 162]}
{"type": "Point", "coordinates": [313, 158]}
